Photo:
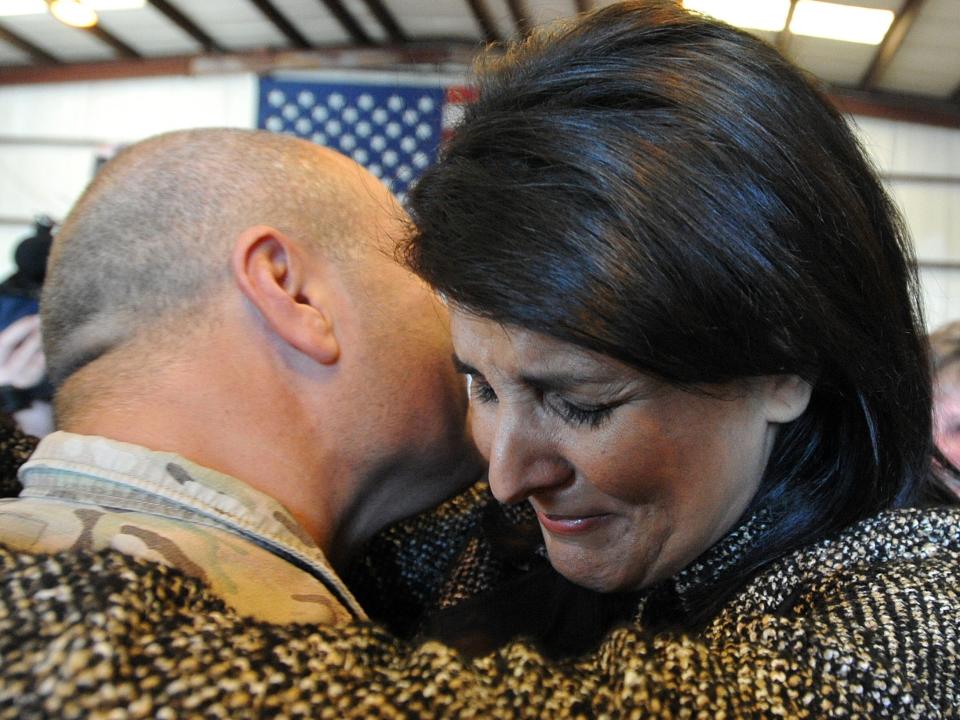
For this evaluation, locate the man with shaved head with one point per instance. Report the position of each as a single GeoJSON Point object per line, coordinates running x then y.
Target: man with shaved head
{"type": "Point", "coordinates": [247, 385]}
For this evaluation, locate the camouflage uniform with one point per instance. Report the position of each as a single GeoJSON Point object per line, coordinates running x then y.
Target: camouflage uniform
{"type": "Point", "coordinates": [84, 492]}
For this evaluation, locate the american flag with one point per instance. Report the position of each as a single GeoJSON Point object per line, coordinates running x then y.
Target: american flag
{"type": "Point", "coordinates": [394, 131]}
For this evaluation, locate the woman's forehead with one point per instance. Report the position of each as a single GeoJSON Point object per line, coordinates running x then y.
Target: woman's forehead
{"type": "Point", "coordinates": [486, 344]}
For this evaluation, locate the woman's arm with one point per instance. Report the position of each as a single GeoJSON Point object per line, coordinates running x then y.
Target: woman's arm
{"type": "Point", "coordinates": [98, 632]}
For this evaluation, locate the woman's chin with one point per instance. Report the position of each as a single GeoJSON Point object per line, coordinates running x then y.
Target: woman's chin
{"type": "Point", "coordinates": [594, 573]}
{"type": "Point", "coordinates": [612, 558]}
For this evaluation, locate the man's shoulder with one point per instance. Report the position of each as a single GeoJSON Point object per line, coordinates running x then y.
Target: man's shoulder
{"type": "Point", "coordinates": [250, 578]}
{"type": "Point", "coordinates": [84, 632]}
{"type": "Point", "coordinates": [91, 493]}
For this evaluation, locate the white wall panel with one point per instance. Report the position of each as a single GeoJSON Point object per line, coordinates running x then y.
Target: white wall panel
{"type": "Point", "coordinates": [37, 175]}
{"type": "Point", "coordinates": [42, 179]}
{"type": "Point", "coordinates": [125, 110]}
{"type": "Point", "coordinates": [941, 293]}
{"type": "Point", "coordinates": [932, 211]}
{"type": "Point", "coordinates": [926, 150]}
{"type": "Point", "coordinates": [930, 206]}
{"type": "Point", "coordinates": [878, 138]}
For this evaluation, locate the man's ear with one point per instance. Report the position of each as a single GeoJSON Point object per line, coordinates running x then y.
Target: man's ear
{"type": "Point", "coordinates": [787, 396]}
{"type": "Point", "coordinates": [281, 281]}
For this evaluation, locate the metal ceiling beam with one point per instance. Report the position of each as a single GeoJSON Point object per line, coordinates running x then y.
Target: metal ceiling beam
{"type": "Point", "coordinates": [81, 72]}
{"type": "Point", "coordinates": [896, 106]}
{"type": "Point", "coordinates": [521, 16]}
{"type": "Point", "coordinates": [481, 13]}
{"type": "Point", "coordinates": [584, 5]}
{"type": "Point", "coordinates": [783, 37]}
{"type": "Point", "coordinates": [383, 15]}
{"type": "Point", "coordinates": [927, 179]}
{"type": "Point", "coordinates": [891, 42]}
{"type": "Point", "coordinates": [348, 22]}
{"type": "Point", "coordinates": [452, 56]}
{"type": "Point", "coordinates": [286, 28]}
{"type": "Point", "coordinates": [448, 56]}
{"type": "Point", "coordinates": [172, 14]}
{"type": "Point", "coordinates": [37, 53]}
{"type": "Point", "coordinates": [108, 38]}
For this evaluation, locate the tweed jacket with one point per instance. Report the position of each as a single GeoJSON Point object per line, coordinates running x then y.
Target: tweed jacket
{"type": "Point", "coordinates": [89, 492]}
{"type": "Point", "coordinates": [862, 624]}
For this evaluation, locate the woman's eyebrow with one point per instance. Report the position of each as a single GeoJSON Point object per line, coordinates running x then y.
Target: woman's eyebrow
{"type": "Point", "coordinates": [461, 367]}
{"type": "Point", "coordinates": [547, 382]}
{"type": "Point", "coordinates": [543, 382]}
{"type": "Point", "coordinates": [566, 381]}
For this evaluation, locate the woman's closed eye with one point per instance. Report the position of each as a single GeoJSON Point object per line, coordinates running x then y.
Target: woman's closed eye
{"type": "Point", "coordinates": [480, 389]}
{"type": "Point", "coordinates": [573, 414]}
{"type": "Point", "coordinates": [577, 415]}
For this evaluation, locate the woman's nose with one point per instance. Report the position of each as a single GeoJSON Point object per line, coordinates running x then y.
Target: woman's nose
{"type": "Point", "coordinates": [523, 462]}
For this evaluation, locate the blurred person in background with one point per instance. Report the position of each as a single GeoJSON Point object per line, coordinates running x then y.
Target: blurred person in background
{"type": "Point", "coordinates": [945, 345]}
{"type": "Point", "coordinates": [20, 293]}
{"type": "Point", "coordinates": [25, 391]}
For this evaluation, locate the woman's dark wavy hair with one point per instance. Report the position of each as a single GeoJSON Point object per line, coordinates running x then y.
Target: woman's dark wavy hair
{"type": "Point", "coordinates": [668, 190]}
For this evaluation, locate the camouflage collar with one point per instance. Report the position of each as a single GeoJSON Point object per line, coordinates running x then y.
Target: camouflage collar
{"type": "Point", "coordinates": [130, 477]}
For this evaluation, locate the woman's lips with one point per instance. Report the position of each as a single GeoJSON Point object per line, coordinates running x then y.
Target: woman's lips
{"type": "Point", "coordinates": [570, 524]}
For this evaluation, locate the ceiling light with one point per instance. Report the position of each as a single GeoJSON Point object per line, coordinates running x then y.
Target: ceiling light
{"type": "Point", "coordinates": [73, 13]}
{"type": "Point", "coordinates": [841, 22]}
{"type": "Point", "coordinates": [9, 8]}
{"type": "Point", "coordinates": [22, 7]}
{"type": "Point", "coordinates": [753, 14]}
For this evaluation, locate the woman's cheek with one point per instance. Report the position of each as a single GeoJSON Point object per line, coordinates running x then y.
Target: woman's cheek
{"type": "Point", "coordinates": [481, 420]}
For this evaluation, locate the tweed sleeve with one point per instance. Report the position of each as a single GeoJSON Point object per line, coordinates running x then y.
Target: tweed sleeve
{"type": "Point", "coordinates": [102, 634]}
{"type": "Point", "coordinates": [402, 569]}
{"type": "Point", "coordinates": [15, 448]}
{"type": "Point", "coordinates": [438, 558]}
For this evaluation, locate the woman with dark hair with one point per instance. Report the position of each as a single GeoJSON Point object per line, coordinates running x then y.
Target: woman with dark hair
{"type": "Point", "coordinates": [688, 314]}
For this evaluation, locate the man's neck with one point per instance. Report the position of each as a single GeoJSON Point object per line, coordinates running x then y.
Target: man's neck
{"type": "Point", "coordinates": [216, 420]}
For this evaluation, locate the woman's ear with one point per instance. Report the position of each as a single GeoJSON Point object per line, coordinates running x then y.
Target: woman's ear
{"type": "Point", "coordinates": [786, 397]}
{"type": "Point", "coordinates": [281, 280]}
